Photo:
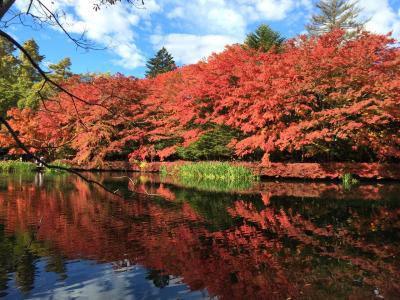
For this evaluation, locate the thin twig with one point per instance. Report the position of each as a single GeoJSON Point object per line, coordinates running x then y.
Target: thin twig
{"type": "Point", "coordinates": [134, 183]}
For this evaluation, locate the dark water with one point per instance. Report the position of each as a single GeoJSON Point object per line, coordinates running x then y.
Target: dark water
{"type": "Point", "coordinates": [61, 238]}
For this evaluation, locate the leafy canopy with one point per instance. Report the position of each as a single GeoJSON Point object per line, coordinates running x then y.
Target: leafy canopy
{"type": "Point", "coordinates": [20, 82]}
{"type": "Point", "coordinates": [324, 98]}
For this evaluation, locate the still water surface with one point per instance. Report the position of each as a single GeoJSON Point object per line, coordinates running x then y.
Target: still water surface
{"type": "Point", "coordinates": [61, 238]}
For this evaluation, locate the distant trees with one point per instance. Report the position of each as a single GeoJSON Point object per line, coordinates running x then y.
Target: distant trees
{"type": "Point", "coordinates": [27, 75]}
{"type": "Point", "coordinates": [17, 74]}
{"type": "Point", "coordinates": [8, 76]}
{"type": "Point", "coordinates": [335, 14]}
{"type": "Point", "coordinates": [264, 38]}
{"type": "Point", "coordinates": [162, 62]}
{"type": "Point", "coordinates": [20, 82]}
{"type": "Point", "coordinates": [39, 91]}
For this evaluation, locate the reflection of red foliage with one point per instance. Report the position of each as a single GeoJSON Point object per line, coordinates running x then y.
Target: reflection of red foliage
{"type": "Point", "coordinates": [166, 192]}
{"type": "Point", "coordinates": [240, 262]}
{"type": "Point", "coordinates": [309, 235]}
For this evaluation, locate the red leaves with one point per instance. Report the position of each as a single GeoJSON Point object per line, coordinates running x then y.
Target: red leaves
{"type": "Point", "coordinates": [320, 95]}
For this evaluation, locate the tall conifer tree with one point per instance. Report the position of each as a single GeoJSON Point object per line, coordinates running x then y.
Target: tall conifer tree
{"type": "Point", "coordinates": [264, 38]}
{"type": "Point", "coordinates": [163, 62]}
{"type": "Point", "coordinates": [8, 76]}
{"type": "Point", "coordinates": [335, 14]}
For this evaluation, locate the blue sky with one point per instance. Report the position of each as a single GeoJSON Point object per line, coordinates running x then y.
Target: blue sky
{"type": "Point", "coordinates": [190, 29]}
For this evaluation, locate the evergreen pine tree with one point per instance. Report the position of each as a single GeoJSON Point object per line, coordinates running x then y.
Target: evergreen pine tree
{"type": "Point", "coordinates": [335, 14]}
{"type": "Point", "coordinates": [163, 62]}
{"type": "Point", "coordinates": [8, 76]}
{"type": "Point", "coordinates": [28, 76]}
{"type": "Point", "coordinates": [27, 71]}
{"type": "Point", "coordinates": [62, 69]}
{"type": "Point", "coordinates": [264, 38]}
{"type": "Point", "coordinates": [59, 71]}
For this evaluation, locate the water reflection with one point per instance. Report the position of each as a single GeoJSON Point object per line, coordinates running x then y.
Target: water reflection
{"type": "Point", "coordinates": [64, 238]}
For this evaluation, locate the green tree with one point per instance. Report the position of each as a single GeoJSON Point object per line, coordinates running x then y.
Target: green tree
{"type": "Point", "coordinates": [62, 70]}
{"type": "Point", "coordinates": [335, 14]}
{"type": "Point", "coordinates": [8, 76]}
{"type": "Point", "coordinates": [27, 74]}
{"type": "Point", "coordinates": [26, 71]}
{"type": "Point", "coordinates": [163, 62]}
{"type": "Point", "coordinates": [31, 98]}
{"type": "Point", "coordinates": [211, 145]}
{"type": "Point", "coordinates": [264, 38]}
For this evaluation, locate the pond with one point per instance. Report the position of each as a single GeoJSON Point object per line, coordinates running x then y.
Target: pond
{"type": "Point", "coordinates": [61, 238]}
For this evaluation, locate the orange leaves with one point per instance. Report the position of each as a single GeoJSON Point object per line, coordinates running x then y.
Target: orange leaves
{"type": "Point", "coordinates": [320, 97]}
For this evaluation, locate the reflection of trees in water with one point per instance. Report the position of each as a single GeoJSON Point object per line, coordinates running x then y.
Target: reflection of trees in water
{"type": "Point", "coordinates": [159, 279]}
{"type": "Point", "coordinates": [25, 270]}
{"type": "Point", "coordinates": [280, 246]}
{"type": "Point", "coordinates": [56, 264]}
{"type": "Point", "coordinates": [19, 254]}
{"type": "Point", "coordinates": [361, 249]}
{"type": "Point", "coordinates": [20, 248]}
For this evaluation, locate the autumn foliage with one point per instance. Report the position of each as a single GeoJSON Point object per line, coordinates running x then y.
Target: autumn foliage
{"type": "Point", "coordinates": [319, 99]}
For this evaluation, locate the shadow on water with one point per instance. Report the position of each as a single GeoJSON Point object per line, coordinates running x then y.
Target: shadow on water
{"type": "Point", "coordinates": [62, 238]}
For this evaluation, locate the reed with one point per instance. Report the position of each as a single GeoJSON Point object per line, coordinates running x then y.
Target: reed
{"type": "Point", "coordinates": [215, 171]}
{"type": "Point", "coordinates": [57, 163]}
{"type": "Point", "coordinates": [16, 166]}
{"type": "Point", "coordinates": [213, 176]}
{"type": "Point", "coordinates": [348, 181]}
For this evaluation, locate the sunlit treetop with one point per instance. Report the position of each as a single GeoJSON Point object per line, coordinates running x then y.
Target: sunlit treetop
{"type": "Point", "coordinates": [335, 14]}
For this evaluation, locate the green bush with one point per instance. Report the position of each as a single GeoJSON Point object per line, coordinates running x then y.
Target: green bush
{"type": "Point", "coordinates": [211, 145]}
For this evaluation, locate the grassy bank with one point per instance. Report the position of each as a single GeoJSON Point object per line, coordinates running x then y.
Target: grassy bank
{"type": "Point", "coordinates": [16, 166]}
{"type": "Point", "coordinates": [57, 164]}
{"type": "Point", "coordinates": [213, 176]}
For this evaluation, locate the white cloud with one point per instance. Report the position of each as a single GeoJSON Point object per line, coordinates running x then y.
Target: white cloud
{"type": "Point", "coordinates": [382, 17]}
{"type": "Point", "coordinates": [275, 9]}
{"type": "Point", "coordinates": [177, 12]}
{"type": "Point", "coordinates": [209, 16]}
{"type": "Point", "coordinates": [210, 25]}
{"type": "Point", "coordinates": [190, 48]}
{"type": "Point", "coordinates": [192, 30]}
{"type": "Point", "coordinates": [271, 10]}
{"type": "Point", "coordinates": [113, 27]}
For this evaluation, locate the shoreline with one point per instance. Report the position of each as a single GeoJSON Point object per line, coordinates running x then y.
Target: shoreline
{"type": "Point", "coordinates": [292, 171]}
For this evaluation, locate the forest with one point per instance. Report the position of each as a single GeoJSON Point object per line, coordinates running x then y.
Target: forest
{"type": "Point", "coordinates": [324, 98]}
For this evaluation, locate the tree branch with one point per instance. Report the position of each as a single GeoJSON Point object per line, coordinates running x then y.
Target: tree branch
{"type": "Point", "coordinates": [34, 157]}
{"type": "Point", "coordinates": [5, 6]}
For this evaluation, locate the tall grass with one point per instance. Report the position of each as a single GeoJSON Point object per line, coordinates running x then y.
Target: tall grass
{"type": "Point", "coordinates": [57, 163]}
{"type": "Point", "coordinates": [348, 181]}
{"type": "Point", "coordinates": [16, 166]}
{"type": "Point", "coordinates": [215, 171]}
{"type": "Point", "coordinates": [213, 176]}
